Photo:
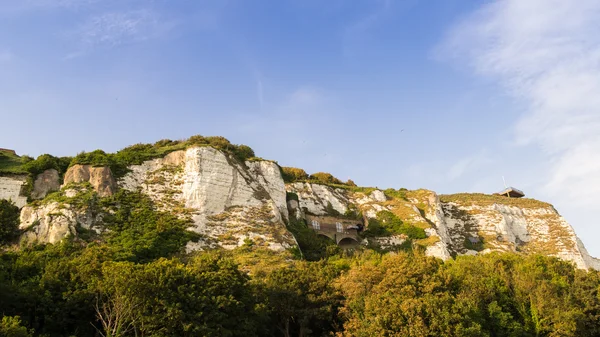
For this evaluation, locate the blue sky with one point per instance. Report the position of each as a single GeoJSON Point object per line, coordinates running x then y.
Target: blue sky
{"type": "Point", "coordinates": [448, 95]}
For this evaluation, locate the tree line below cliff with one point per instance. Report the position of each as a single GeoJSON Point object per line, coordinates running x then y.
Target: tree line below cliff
{"type": "Point", "coordinates": [76, 289]}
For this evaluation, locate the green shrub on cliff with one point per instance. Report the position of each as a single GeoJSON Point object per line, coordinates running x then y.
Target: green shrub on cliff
{"type": "Point", "coordinates": [387, 223]}
{"type": "Point", "coordinates": [139, 232]}
{"type": "Point", "coordinates": [138, 153]}
{"type": "Point", "coordinates": [45, 162]}
{"type": "Point", "coordinates": [9, 221]}
{"type": "Point", "coordinates": [12, 327]}
{"type": "Point", "coordinates": [293, 174]}
{"type": "Point", "coordinates": [325, 178]}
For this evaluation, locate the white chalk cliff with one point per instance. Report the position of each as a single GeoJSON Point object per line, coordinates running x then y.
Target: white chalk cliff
{"type": "Point", "coordinates": [231, 202]}
{"type": "Point", "coordinates": [476, 225]}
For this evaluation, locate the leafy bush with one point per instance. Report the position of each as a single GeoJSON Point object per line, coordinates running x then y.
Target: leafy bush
{"type": "Point", "coordinates": [197, 140]}
{"type": "Point", "coordinates": [396, 194]}
{"type": "Point", "coordinates": [325, 178]}
{"type": "Point", "coordinates": [9, 221]}
{"type": "Point", "coordinates": [293, 174]}
{"type": "Point", "coordinates": [12, 327]}
{"type": "Point", "coordinates": [207, 296]}
{"type": "Point", "coordinates": [45, 162]}
{"type": "Point", "coordinates": [244, 152]}
{"type": "Point", "coordinates": [94, 158]}
{"type": "Point", "coordinates": [387, 223]}
{"type": "Point", "coordinates": [141, 233]}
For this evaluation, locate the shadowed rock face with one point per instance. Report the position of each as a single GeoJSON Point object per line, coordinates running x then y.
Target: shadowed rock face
{"type": "Point", "coordinates": [100, 178]}
{"type": "Point", "coordinates": [46, 182]}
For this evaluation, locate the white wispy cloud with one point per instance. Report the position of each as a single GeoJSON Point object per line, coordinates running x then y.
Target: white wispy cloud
{"type": "Point", "coordinates": [547, 54]}
{"type": "Point", "coordinates": [114, 29]}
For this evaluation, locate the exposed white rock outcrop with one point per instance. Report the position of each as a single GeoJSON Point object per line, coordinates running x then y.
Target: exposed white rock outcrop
{"type": "Point", "coordinates": [228, 201]}
{"type": "Point", "coordinates": [435, 215]}
{"type": "Point", "coordinates": [511, 228]}
{"type": "Point", "coordinates": [100, 178]}
{"type": "Point", "coordinates": [378, 195]}
{"type": "Point", "coordinates": [316, 198]}
{"type": "Point", "coordinates": [11, 188]}
{"type": "Point", "coordinates": [52, 222]}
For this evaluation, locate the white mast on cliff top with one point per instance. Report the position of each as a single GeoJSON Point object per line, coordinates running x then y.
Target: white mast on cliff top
{"type": "Point", "coordinates": [510, 192]}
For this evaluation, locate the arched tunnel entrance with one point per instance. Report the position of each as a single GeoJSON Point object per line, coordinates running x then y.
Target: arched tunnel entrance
{"type": "Point", "coordinates": [348, 242]}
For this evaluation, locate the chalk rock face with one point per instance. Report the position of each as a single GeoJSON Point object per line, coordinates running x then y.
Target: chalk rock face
{"type": "Point", "coordinates": [268, 175]}
{"type": "Point", "coordinates": [11, 188]}
{"type": "Point", "coordinates": [228, 201]}
{"type": "Point", "coordinates": [500, 227]}
{"type": "Point", "coordinates": [100, 178]}
{"type": "Point", "coordinates": [475, 225]}
{"type": "Point", "coordinates": [378, 195]}
{"type": "Point", "coordinates": [316, 198]}
{"type": "Point", "coordinates": [46, 182]}
{"type": "Point", "coordinates": [52, 222]}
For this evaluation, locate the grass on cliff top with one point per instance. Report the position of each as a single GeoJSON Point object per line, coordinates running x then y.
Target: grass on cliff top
{"type": "Point", "coordinates": [479, 199]}
{"type": "Point", "coordinates": [139, 153]}
{"type": "Point", "coordinates": [11, 163]}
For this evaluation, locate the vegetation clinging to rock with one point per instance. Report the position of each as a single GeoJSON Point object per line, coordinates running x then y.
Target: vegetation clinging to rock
{"type": "Point", "coordinates": [387, 223]}
{"type": "Point", "coordinates": [293, 174]}
{"type": "Point", "coordinates": [13, 164]}
{"type": "Point", "coordinates": [325, 178]}
{"type": "Point", "coordinates": [138, 153]}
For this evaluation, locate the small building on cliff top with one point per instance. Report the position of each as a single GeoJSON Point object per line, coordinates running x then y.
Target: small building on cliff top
{"type": "Point", "coordinates": [511, 192]}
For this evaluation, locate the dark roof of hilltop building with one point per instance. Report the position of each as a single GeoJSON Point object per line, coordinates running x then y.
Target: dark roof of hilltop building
{"type": "Point", "coordinates": [511, 192]}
